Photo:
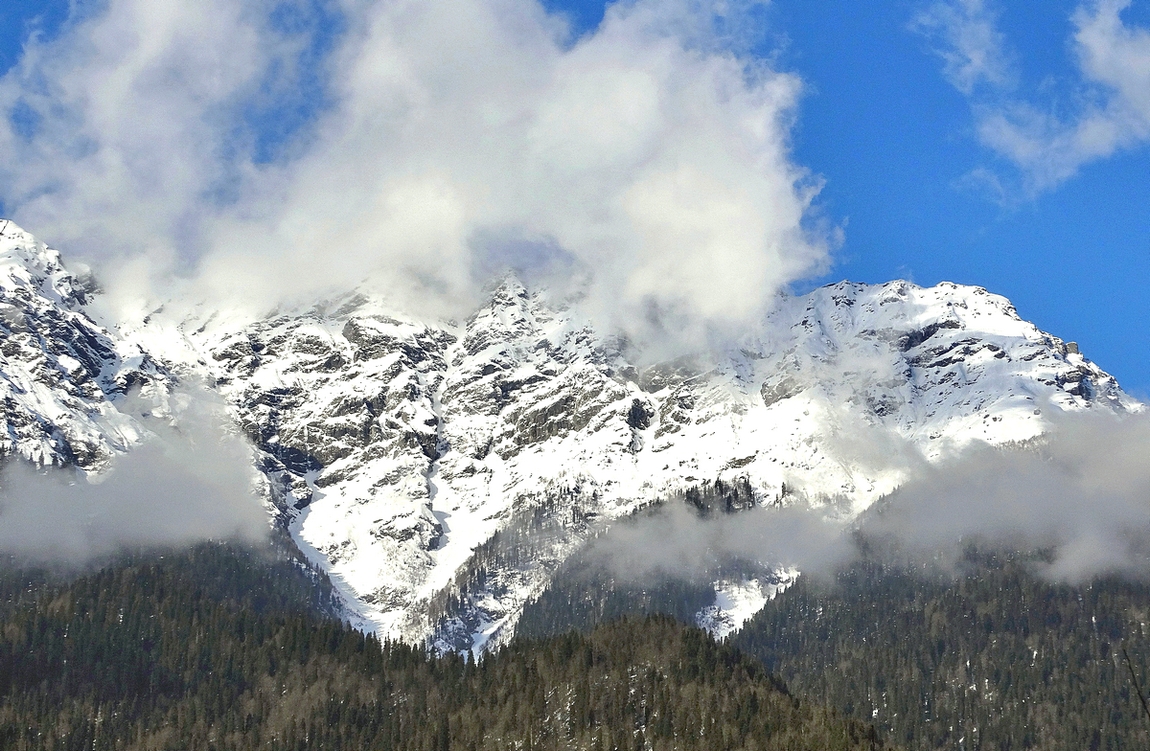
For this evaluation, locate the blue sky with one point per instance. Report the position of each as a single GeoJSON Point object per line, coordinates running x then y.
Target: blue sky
{"type": "Point", "coordinates": [894, 140]}
{"type": "Point", "coordinates": [21, 18]}
{"type": "Point", "coordinates": [919, 190]}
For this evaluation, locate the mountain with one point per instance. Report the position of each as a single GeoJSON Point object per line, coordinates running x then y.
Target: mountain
{"type": "Point", "coordinates": [61, 373]}
{"type": "Point", "coordinates": [441, 472]}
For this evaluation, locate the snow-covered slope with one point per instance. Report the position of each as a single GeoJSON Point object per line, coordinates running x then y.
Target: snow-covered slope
{"type": "Point", "coordinates": [737, 600]}
{"type": "Point", "coordinates": [399, 448]}
{"type": "Point", "coordinates": [60, 372]}
{"type": "Point", "coordinates": [442, 472]}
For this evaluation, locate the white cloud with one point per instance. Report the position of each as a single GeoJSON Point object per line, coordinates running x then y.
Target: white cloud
{"type": "Point", "coordinates": [651, 155]}
{"type": "Point", "coordinates": [1113, 95]}
{"type": "Point", "coordinates": [1083, 493]}
{"type": "Point", "coordinates": [967, 38]}
{"type": "Point", "coordinates": [127, 121]}
{"type": "Point", "coordinates": [1080, 494]}
{"type": "Point", "coordinates": [181, 486]}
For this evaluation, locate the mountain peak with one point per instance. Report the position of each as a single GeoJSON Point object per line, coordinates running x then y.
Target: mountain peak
{"type": "Point", "coordinates": [441, 472]}
{"type": "Point", "coordinates": [508, 290]}
{"type": "Point", "coordinates": [26, 263]}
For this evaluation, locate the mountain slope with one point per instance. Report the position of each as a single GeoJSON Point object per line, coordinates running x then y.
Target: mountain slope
{"type": "Point", "coordinates": [61, 373]}
{"type": "Point", "coordinates": [441, 472]}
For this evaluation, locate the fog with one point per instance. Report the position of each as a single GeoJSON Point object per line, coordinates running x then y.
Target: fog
{"type": "Point", "coordinates": [179, 487]}
{"type": "Point", "coordinates": [675, 541]}
{"type": "Point", "coordinates": [1082, 492]}
{"type": "Point", "coordinates": [1080, 495]}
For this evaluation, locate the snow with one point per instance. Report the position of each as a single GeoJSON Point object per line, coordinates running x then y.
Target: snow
{"type": "Point", "coordinates": [395, 449]}
{"type": "Point", "coordinates": [737, 601]}
{"type": "Point", "coordinates": [524, 400]}
{"type": "Point", "coordinates": [62, 374]}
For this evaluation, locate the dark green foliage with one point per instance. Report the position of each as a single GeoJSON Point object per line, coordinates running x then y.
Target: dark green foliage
{"type": "Point", "coordinates": [997, 659]}
{"type": "Point", "coordinates": [585, 594]}
{"type": "Point", "coordinates": [994, 658]}
{"type": "Point", "coordinates": [220, 648]}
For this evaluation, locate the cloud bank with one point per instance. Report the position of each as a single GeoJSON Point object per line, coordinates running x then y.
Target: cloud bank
{"type": "Point", "coordinates": [675, 541]}
{"type": "Point", "coordinates": [649, 158]}
{"type": "Point", "coordinates": [1081, 494]}
{"type": "Point", "coordinates": [1111, 108]}
{"type": "Point", "coordinates": [182, 486]}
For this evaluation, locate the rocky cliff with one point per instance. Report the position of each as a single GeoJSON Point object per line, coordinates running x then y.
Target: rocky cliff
{"type": "Point", "coordinates": [441, 471]}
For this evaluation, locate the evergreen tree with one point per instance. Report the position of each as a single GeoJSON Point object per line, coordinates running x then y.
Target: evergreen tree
{"type": "Point", "coordinates": [229, 649]}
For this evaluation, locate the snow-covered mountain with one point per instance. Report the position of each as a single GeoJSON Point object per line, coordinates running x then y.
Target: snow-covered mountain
{"type": "Point", "coordinates": [60, 372]}
{"type": "Point", "coordinates": [441, 472]}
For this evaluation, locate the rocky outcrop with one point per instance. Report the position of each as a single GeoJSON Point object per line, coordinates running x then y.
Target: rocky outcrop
{"type": "Point", "coordinates": [404, 448]}
{"type": "Point", "coordinates": [61, 373]}
{"type": "Point", "coordinates": [440, 472]}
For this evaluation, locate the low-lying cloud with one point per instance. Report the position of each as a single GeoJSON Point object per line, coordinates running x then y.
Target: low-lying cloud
{"type": "Point", "coordinates": [179, 487]}
{"type": "Point", "coordinates": [1080, 494]}
{"type": "Point", "coordinates": [676, 541]}
{"type": "Point", "coordinates": [649, 159]}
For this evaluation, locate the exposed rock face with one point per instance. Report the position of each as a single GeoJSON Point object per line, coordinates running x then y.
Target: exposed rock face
{"type": "Point", "coordinates": [397, 448]}
{"type": "Point", "coordinates": [61, 373]}
{"type": "Point", "coordinates": [441, 472]}
{"type": "Point", "coordinates": [401, 449]}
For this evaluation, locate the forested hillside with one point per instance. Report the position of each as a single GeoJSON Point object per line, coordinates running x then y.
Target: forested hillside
{"type": "Point", "coordinates": [992, 656]}
{"type": "Point", "coordinates": [997, 658]}
{"type": "Point", "coordinates": [220, 648]}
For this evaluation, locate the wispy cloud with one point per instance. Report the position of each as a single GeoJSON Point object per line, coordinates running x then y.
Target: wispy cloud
{"type": "Point", "coordinates": [1112, 94]}
{"type": "Point", "coordinates": [964, 33]}
{"type": "Point", "coordinates": [675, 541]}
{"type": "Point", "coordinates": [650, 156]}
